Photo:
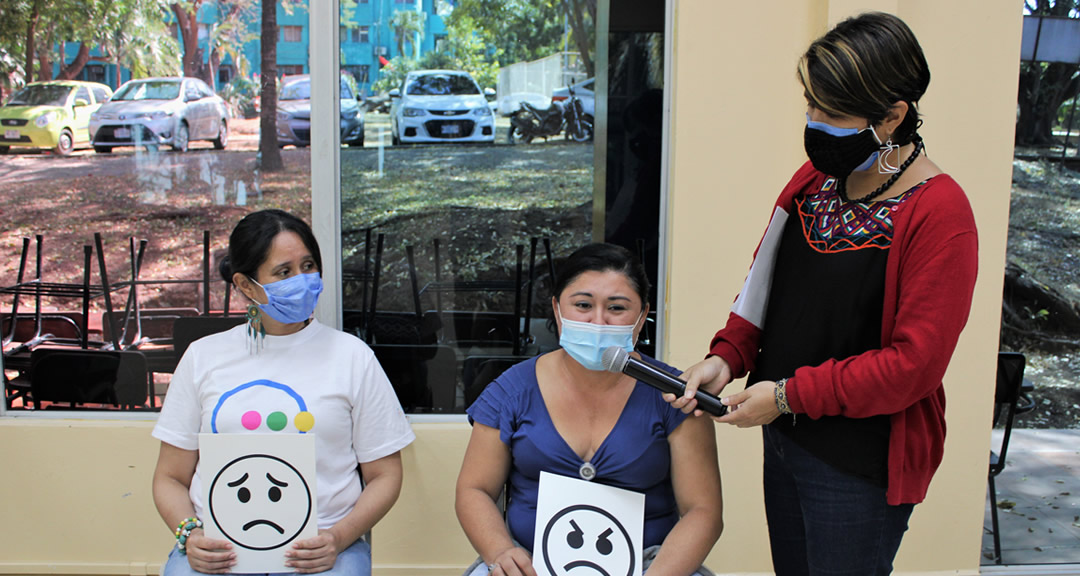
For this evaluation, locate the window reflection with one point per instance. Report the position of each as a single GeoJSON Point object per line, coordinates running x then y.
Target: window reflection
{"type": "Point", "coordinates": [135, 218]}
{"type": "Point", "coordinates": [449, 245]}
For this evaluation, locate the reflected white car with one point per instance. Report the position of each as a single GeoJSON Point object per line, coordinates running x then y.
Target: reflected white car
{"type": "Point", "coordinates": [440, 106]}
{"type": "Point", "coordinates": [160, 111]}
{"type": "Point", "coordinates": [584, 90]}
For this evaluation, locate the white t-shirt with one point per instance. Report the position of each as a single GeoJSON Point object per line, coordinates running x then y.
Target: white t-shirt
{"type": "Point", "coordinates": [219, 386]}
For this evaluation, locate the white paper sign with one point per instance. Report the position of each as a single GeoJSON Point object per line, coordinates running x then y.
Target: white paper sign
{"type": "Point", "coordinates": [753, 301]}
{"type": "Point", "coordinates": [259, 492]}
{"type": "Point", "coordinates": [580, 524]}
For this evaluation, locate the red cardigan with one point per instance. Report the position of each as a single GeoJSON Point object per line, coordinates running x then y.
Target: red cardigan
{"type": "Point", "coordinates": [929, 280]}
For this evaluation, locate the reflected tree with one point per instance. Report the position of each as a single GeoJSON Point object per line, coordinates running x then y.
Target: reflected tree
{"type": "Point", "coordinates": [133, 34]}
{"type": "Point", "coordinates": [269, 154]}
{"type": "Point", "coordinates": [1045, 86]}
{"type": "Point", "coordinates": [408, 28]}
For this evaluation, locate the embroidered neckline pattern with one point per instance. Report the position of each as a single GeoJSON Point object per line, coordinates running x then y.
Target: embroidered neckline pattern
{"type": "Point", "coordinates": [831, 225]}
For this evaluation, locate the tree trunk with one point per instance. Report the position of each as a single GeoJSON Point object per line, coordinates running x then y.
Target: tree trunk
{"type": "Point", "coordinates": [581, 36]}
{"type": "Point", "coordinates": [187, 22]}
{"type": "Point", "coordinates": [76, 67]}
{"type": "Point", "coordinates": [1043, 88]}
{"type": "Point", "coordinates": [1043, 308]}
{"type": "Point", "coordinates": [45, 58]}
{"type": "Point", "coordinates": [269, 154]}
{"type": "Point", "coordinates": [31, 30]}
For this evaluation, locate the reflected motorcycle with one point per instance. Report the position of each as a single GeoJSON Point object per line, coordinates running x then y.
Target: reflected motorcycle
{"type": "Point", "coordinates": [568, 117]}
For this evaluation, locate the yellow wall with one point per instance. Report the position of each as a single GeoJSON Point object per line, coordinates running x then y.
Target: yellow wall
{"type": "Point", "coordinates": [77, 493]}
{"type": "Point", "coordinates": [737, 137]}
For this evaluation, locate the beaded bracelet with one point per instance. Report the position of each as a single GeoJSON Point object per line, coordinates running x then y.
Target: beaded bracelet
{"type": "Point", "coordinates": [781, 396]}
{"type": "Point", "coordinates": [184, 530]}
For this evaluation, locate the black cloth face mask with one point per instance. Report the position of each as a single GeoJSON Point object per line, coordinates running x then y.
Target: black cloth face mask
{"type": "Point", "coordinates": [840, 151]}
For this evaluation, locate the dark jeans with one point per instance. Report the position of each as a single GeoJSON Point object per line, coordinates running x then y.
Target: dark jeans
{"type": "Point", "coordinates": [824, 521]}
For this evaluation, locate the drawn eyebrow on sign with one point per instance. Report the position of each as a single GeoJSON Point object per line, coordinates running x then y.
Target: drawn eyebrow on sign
{"type": "Point", "coordinates": [276, 481]}
{"type": "Point", "coordinates": [238, 482]}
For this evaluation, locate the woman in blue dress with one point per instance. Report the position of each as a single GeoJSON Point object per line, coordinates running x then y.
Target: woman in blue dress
{"type": "Point", "coordinates": [564, 414]}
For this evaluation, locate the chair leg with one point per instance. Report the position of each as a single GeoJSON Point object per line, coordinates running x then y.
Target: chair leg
{"type": "Point", "coordinates": [994, 520]}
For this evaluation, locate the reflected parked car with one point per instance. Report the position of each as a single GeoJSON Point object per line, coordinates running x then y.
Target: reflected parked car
{"type": "Point", "coordinates": [584, 90]}
{"type": "Point", "coordinates": [294, 113]}
{"type": "Point", "coordinates": [440, 106]}
{"type": "Point", "coordinates": [153, 112]}
{"type": "Point", "coordinates": [51, 115]}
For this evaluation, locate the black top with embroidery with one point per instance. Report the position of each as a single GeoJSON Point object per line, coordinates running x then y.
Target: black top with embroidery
{"type": "Point", "coordinates": [825, 302]}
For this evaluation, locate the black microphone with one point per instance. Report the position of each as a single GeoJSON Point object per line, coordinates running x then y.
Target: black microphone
{"type": "Point", "coordinates": [616, 359]}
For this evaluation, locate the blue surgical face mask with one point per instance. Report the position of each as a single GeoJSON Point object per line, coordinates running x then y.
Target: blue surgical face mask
{"type": "Point", "coordinates": [293, 299]}
{"type": "Point", "coordinates": [586, 342]}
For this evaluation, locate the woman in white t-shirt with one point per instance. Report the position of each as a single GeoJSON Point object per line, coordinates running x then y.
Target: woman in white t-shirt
{"type": "Point", "coordinates": [283, 372]}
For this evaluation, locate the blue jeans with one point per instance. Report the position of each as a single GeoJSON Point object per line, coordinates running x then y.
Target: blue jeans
{"type": "Point", "coordinates": [824, 521]}
{"type": "Point", "coordinates": [353, 561]}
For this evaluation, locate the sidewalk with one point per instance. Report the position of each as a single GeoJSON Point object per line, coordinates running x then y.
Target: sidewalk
{"type": "Point", "coordinates": [1042, 485]}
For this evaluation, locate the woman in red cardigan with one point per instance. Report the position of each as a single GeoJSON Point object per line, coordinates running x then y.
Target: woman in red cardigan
{"type": "Point", "coordinates": [851, 311]}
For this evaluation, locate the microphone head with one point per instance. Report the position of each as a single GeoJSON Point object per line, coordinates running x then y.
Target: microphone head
{"type": "Point", "coordinates": [614, 359]}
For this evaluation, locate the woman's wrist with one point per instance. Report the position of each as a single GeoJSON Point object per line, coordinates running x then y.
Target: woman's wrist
{"type": "Point", "coordinates": [183, 532]}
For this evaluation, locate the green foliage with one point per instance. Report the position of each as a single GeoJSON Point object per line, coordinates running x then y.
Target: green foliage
{"type": "Point", "coordinates": [11, 77]}
{"type": "Point", "coordinates": [136, 37]}
{"type": "Point", "coordinates": [241, 93]}
{"type": "Point", "coordinates": [391, 76]}
{"type": "Point", "coordinates": [522, 30]}
{"type": "Point", "coordinates": [233, 31]}
{"type": "Point", "coordinates": [408, 27]}
{"type": "Point", "coordinates": [466, 50]}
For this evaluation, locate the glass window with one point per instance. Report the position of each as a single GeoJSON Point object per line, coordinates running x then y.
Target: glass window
{"type": "Point", "coordinates": [292, 33]}
{"type": "Point", "coordinates": [432, 84]}
{"type": "Point", "coordinates": [191, 91]}
{"type": "Point", "coordinates": [448, 248]}
{"type": "Point", "coordinates": [146, 178]}
{"type": "Point", "coordinates": [100, 94]}
{"type": "Point", "coordinates": [225, 74]}
{"type": "Point", "coordinates": [361, 34]}
{"type": "Point", "coordinates": [40, 95]}
{"type": "Point", "coordinates": [94, 73]}
{"type": "Point", "coordinates": [149, 90]}
{"type": "Point", "coordinates": [82, 94]}
{"type": "Point", "coordinates": [290, 69]}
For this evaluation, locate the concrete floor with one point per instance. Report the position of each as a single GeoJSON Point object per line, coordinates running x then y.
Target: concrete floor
{"type": "Point", "coordinates": [1041, 484]}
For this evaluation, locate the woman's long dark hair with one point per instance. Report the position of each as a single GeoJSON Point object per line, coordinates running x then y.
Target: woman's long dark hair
{"type": "Point", "coordinates": [250, 241]}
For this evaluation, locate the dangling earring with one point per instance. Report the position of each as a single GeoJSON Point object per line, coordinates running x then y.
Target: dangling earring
{"type": "Point", "coordinates": [883, 165]}
{"type": "Point", "coordinates": [255, 330]}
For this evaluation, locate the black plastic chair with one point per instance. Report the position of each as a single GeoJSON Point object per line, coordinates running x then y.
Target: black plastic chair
{"type": "Point", "coordinates": [188, 329]}
{"type": "Point", "coordinates": [479, 371]}
{"type": "Point", "coordinates": [424, 376]}
{"type": "Point", "coordinates": [75, 376]}
{"type": "Point", "coordinates": [1010, 398]}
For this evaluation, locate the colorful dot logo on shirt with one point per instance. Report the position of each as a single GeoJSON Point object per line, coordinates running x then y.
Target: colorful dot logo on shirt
{"type": "Point", "coordinates": [277, 421]}
{"type": "Point", "coordinates": [304, 421]}
{"type": "Point", "coordinates": [251, 419]}
{"type": "Point", "coordinates": [261, 405]}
